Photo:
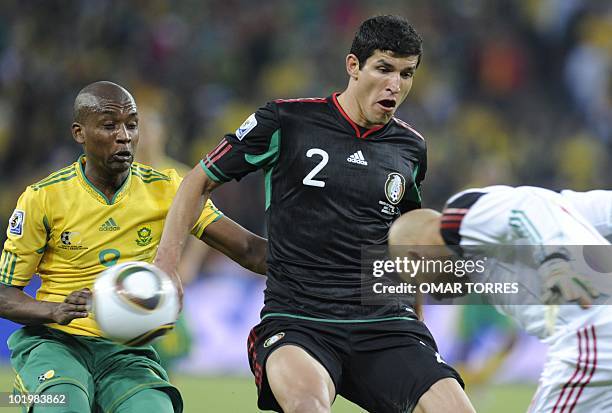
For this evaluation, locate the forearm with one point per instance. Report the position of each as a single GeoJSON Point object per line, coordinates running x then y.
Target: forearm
{"type": "Point", "coordinates": [260, 254]}
{"type": "Point", "coordinates": [184, 212]}
{"type": "Point", "coordinates": [242, 246]}
{"type": "Point", "coordinates": [17, 306]}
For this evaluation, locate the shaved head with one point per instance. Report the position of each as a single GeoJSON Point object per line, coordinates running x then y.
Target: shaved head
{"type": "Point", "coordinates": [417, 227]}
{"type": "Point", "coordinates": [93, 96]}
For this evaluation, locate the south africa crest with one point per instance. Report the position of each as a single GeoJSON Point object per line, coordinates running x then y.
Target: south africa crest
{"type": "Point", "coordinates": [144, 237]}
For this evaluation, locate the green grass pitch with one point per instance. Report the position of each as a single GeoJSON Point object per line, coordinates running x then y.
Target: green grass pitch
{"type": "Point", "coordinates": [238, 395]}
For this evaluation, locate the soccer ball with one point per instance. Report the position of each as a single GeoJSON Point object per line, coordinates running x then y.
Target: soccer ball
{"type": "Point", "coordinates": [134, 302]}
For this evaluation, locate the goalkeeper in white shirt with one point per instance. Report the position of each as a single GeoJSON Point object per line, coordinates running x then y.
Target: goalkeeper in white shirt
{"type": "Point", "coordinates": [555, 227]}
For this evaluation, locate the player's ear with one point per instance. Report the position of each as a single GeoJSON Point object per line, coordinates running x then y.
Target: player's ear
{"type": "Point", "coordinates": [352, 66]}
{"type": "Point", "coordinates": [77, 133]}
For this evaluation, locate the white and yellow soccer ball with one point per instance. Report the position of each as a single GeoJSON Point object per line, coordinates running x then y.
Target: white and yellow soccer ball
{"type": "Point", "coordinates": [134, 302]}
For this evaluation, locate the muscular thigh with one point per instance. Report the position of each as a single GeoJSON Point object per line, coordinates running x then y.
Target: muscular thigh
{"type": "Point", "coordinates": [392, 365]}
{"type": "Point", "coordinates": [280, 350]}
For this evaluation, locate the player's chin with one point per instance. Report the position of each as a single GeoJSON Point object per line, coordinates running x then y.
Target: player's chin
{"type": "Point", "coordinates": [383, 115]}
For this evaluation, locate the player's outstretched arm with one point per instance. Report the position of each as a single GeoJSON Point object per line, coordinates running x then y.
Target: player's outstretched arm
{"type": "Point", "coordinates": [17, 306]}
{"type": "Point", "coordinates": [186, 208]}
{"type": "Point", "coordinates": [241, 245]}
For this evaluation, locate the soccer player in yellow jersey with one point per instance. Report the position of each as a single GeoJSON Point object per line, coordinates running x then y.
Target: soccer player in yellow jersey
{"type": "Point", "coordinates": [80, 220]}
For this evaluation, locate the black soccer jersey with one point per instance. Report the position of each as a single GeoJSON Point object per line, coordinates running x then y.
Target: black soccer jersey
{"type": "Point", "coordinates": [331, 188]}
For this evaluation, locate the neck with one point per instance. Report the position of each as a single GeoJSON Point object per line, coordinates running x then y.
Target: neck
{"type": "Point", "coordinates": [107, 183]}
{"type": "Point", "coordinates": [350, 105]}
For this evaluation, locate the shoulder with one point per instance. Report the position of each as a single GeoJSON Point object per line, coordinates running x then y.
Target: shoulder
{"type": "Point", "coordinates": [299, 101]}
{"type": "Point", "coordinates": [298, 105]}
{"type": "Point", "coordinates": [406, 128]}
{"type": "Point", "coordinates": [147, 174]}
{"type": "Point", "coordinates": [56, 178]}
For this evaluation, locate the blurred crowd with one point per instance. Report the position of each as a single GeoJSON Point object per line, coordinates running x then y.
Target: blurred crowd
{"type": "Point", "coordinates": [508, 92]}
{"type": "Point", "coordinates": [515, 92]}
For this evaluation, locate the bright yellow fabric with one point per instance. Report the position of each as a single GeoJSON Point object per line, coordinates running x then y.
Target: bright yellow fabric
{"type": "Point", "coordinates": [71, 232]}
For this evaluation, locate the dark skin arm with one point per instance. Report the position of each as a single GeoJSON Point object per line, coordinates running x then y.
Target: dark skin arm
{"type": "Point", "coordinates": [17, 306]}
{"type": "Point", "coordinates": [242, 246]}
{"type": "Point", "coordinates": [239, 244]}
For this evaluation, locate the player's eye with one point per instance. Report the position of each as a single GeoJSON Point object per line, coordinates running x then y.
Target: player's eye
{"type": "Point", "coordinates": [109, 126]}
{"type": "Point", "coordinates": [132, 125]}
{"type": "Point", "coordinates": [383, 69]}
{"type": "Point", "coordinates": [407, 75]}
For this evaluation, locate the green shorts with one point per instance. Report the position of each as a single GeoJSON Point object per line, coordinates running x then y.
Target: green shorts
{"type": "Point", "coordinates": [109, 373]}
{"type": "Point", "coordinates": [175, 345]}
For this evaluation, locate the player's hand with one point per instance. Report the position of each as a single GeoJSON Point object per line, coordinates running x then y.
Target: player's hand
{"type": "Point", "coordinates": [563, 284]}
{"type": "Point", "coordinates": [74, 306]}
{"type": "Point", "coordinates": [175, 277]}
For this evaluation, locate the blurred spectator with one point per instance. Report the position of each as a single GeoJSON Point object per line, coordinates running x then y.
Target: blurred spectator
{"type": "Point", "coordinates": [511, 92]}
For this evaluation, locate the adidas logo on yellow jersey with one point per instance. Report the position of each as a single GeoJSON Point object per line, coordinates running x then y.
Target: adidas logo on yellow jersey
{"type": "Point", "coordinates": [109, 225]}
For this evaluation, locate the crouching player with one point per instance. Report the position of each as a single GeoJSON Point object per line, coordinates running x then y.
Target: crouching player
{"type": "Point", "coordinates": [578, 371]}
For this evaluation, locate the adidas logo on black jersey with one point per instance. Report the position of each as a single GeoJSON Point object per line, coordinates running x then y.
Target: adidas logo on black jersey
{"type": "Point", "coordinates": [357, 157]}
{"type": "Point", "coordinates": [109, 225]}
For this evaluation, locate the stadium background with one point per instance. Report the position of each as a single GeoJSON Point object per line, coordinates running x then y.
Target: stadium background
{"type": "Point", "coordinates": [515, 92]}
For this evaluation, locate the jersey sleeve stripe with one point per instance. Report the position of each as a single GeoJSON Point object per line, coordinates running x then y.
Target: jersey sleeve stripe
{"type": "Point", "coordinates": [453, 214]}
{"type": "Point", "coordinates": [55, 181]}
{"type": "Point", "coordinates": [12, 271]}
{"type": "Point", "coordinates": [151, 178]}
{"type": "Point", "coordinates": [210, 173]}
{"type": "Point", "coordinates": [3, 264]}
{"type": "Point", "coordinates": [147, 172]}
{"type": "Point", "coordinates": [57, 174]}
{"type": "Point", "coordinates": [219, 147]}
{"type": "Point", "coordinates": [217, 156]}
{"type": "Point", "coordinates": [10, 260]}
{"type": "Point", "coordinates": [155, 174]}
{"type": "Point", "coordinates": [220, 172]}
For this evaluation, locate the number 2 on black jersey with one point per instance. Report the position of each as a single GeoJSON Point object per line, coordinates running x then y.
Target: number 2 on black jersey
{"type": "Point", "coordinates": [325, 158]}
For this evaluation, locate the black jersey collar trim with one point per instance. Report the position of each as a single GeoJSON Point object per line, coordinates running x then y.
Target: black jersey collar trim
{"type": "Point", "coordinates": [350, 121]}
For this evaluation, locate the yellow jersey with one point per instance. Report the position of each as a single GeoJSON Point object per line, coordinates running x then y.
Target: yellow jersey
{"type": "Point", "coordinates": [68, 232]}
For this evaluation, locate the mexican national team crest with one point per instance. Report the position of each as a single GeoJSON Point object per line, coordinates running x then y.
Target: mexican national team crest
{"type": "Point", "coordinates": [16, 222]}
{"type": "Point", "coordinates": [144, 237]}
{"type": "Point", "coordinates": [395, 187]}
{"type": "Point", "coordinates": [274, 339]}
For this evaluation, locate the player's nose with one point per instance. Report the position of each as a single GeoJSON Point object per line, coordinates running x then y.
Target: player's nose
{"type": "Point", "coordinates": [394, 83]}
{"type": "Point", "coordinates": [123, 134]}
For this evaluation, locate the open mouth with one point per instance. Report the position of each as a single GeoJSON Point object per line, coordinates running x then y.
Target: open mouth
{"type": "Point", "coordinates": [387, 104]}
{"type": "Point", "coordinates": [123, 156]}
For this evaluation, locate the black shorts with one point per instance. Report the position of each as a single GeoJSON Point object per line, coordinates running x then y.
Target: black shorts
{"type": "Point", "coordinates": [383, 366]}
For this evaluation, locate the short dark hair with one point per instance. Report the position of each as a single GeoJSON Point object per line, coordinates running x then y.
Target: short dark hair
{"type": "Point", "coordinates": [386, 33]}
